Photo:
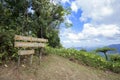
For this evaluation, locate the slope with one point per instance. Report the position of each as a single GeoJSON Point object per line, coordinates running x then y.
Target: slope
{"type": "Point", "coordinates": [54, 68]}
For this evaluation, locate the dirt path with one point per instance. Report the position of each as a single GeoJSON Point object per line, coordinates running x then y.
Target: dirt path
{"type": "Point", "coordinates": [57, 68]}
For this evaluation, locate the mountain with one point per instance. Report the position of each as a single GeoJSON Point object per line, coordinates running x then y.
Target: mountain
{"type": "Point", "coordinates": [116, 46]}
{"type": "Point", "coordinates": [86, 48]}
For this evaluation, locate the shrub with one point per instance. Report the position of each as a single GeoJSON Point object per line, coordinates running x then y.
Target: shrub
{"type": "Point", "coordinates": [113, 66]}
{"type": "Point", "coordinates": [115, 57]}
{"type": "Point", "coordinates": [7, 50]}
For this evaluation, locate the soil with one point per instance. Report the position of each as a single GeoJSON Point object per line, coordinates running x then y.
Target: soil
{"type": "Point", "coordinates": [53, 68]}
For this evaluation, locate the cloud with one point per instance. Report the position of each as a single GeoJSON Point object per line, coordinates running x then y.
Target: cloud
{"type": "Point", "coordinates": [74, 7]}
{"type": "Point", "coordinates": [103, 27]}
{"type": "Point", "coordinates": [102, 30]}
{"type": "Point", "coordinates": [65, 1]}
{"type": "Point", "coordinates": [104, 34]}
{"type": "Point", "coordinates": [105, 11]}
{"type": "Point", "coordinates": [59, 1]}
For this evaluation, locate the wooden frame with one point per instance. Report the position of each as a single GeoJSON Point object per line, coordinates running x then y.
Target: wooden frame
{"type": "Point", "coordinates": [28, 42]}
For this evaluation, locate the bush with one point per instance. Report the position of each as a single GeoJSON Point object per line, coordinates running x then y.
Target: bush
{"type": "Point", "coordinates": [7, 50]}
{"type": "Point", "coordinates": [115, 57]}
{"type": "Point", "coordinates": [113, 66]}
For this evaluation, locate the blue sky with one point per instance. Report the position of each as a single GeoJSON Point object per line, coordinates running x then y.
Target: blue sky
{"type": "Point", "coordinates": [95, 23]}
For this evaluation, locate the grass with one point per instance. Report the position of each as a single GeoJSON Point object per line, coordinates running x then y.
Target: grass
{"type": "Point", "coordinates": [86, 58]}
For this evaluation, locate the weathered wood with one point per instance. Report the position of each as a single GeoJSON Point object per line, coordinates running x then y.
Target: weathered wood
{"type": "Point", "coordinates": [40, 54]}
{"type": "Point", "coordinates": [28, 44]}
{"type": "Point", "coordinates": [31, 59]}
{"type": "Point", "coordinates": [24, 38]}
{"type": "Point", "coordinates": [18, 61]}
{"type": "Point", "coordinates": [26, 52]}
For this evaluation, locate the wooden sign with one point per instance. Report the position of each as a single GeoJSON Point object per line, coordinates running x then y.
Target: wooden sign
{"type": "Point", "coordinates": [28, 44]}
{"type": "Point", "coordinates": [24, 38]}
{"type": "Point", "coordinates": [26, 52]}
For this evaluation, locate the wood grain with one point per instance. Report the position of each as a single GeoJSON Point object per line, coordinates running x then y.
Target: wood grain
{"type": "Point", "coordinates": [24, 38]}
{"type": "Point", "coordinates": [26, 52]}
{"type": "Point", "coordinates": [28, 44]}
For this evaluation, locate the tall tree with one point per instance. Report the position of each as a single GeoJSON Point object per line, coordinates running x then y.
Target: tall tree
{"type": "Point", "coordinates": [48, 18]}
{"type": "Point", "coordinates": [105, 50]}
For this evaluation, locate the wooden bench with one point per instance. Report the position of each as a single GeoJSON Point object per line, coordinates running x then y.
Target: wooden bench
{"type": "Point", "coordinates": [26, 46]}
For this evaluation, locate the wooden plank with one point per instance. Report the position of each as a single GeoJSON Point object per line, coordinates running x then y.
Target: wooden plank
{"type": "Point", "coordinates": [26, 52]}
{"type": "Point", "coordinates": [24, 38]}
{"type": "Point", "coordinates": [28, 44]}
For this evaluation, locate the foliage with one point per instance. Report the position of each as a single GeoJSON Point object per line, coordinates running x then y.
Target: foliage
{"type": "Point", "coordinates": [47, 19]}
{"type": "Point", "coordinates": [83, 50]}
{"type": "Point", "coordinates": [7, 50]}
{"type": "Point", "coordinates": [43, 22]}
{"type": "Point", "coordinates": [115, 57]}
{"type": "Point", "coordinates": [85, 58]}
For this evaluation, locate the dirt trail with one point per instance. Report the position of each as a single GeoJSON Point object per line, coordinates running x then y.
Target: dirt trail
{"type": "Point", "coordinates": [55, 68]}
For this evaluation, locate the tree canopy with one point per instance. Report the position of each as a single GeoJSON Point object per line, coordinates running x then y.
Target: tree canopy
{"type": "Point", "coordinates": [16, 17]}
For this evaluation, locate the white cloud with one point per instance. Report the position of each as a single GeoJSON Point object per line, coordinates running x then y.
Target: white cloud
{"type": "Point", "coordinates": [59, 1]}
{"type": "Point", "coordinates": [90, 35]}
{"type": "Point", "coordinates": [74, 7]}
{"type": "Point", "coordinates": [64, 1]}
{"type": "Point", "coordinates": [101, 30]}
{"type": "Point", "coordinates": [103, 27]}
{"type": "Point", "coordinates": [96, 9]}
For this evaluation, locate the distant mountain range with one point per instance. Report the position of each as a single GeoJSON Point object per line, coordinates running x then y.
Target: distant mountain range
{"type": "Point", "coordinates": [116, 46]}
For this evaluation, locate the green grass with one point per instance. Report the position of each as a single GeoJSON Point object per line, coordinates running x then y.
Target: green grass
{"type": "Point", "coordinates": [86, 58]}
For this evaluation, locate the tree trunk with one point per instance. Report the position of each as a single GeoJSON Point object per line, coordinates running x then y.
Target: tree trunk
{"type": "Point", "coordinates": [106, 56]}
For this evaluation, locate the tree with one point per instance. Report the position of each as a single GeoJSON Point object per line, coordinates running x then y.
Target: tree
{"type": "Point", "coordinates": [43, 23]}
{"type": "Point", "coordinates": [12, 16]}
{"type": "Point", "coordinates": [105, 50]}
{"type": "Point", "coordinates": [47, 19]}
{"type": "Point", "coordinates": [84, 50]}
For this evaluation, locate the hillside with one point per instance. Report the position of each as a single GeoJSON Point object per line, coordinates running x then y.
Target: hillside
{"type": "Point", "coordinates": [54, 68]}
{"type": "Point", "coordinates": [116, 46]}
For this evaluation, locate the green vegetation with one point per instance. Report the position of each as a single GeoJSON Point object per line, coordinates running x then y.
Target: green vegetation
{"type": "Point", "coordinates": [15, 18]}
{"type": "Point", "coordinates": [44, 22]}
{"type": "Point", "coordinates": [115, 58]}
{"type": "Point", "coordinates": [86, 58]}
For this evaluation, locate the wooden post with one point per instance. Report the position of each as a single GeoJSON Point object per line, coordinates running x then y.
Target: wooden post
{"type": "Point", "coordinates": [40, 54]}
{"type": "Point", "coordinates": [31, 59]}
{"type": "Point", "coordinates": [18, 60]}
